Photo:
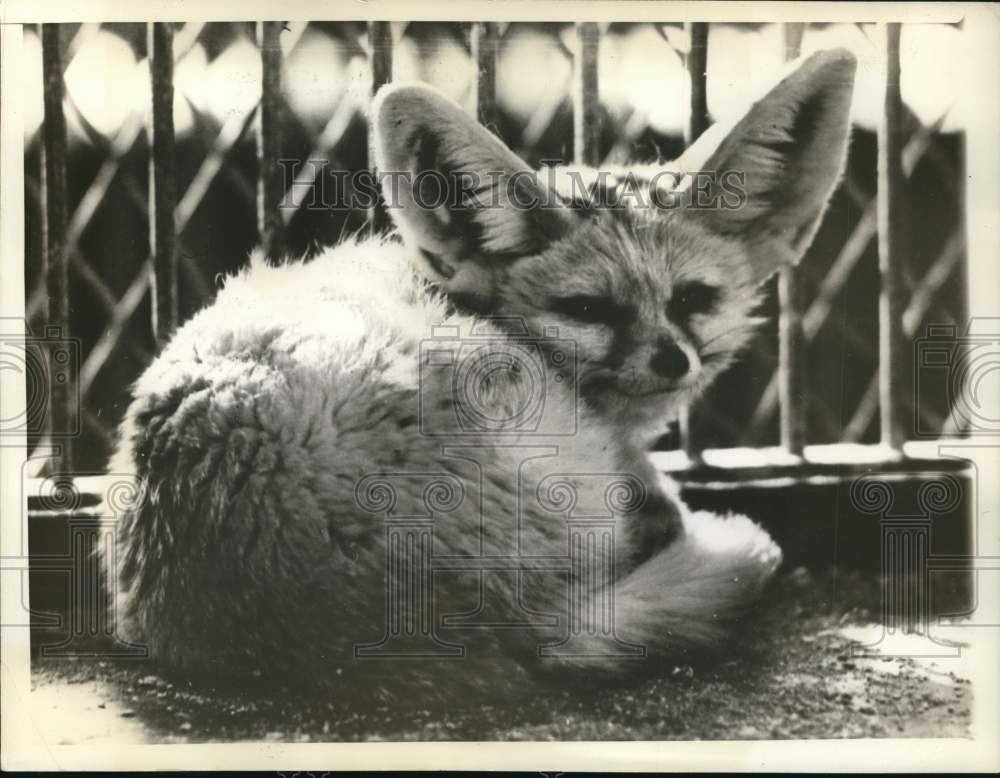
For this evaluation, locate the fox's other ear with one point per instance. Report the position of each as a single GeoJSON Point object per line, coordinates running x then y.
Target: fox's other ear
{"type": "Point", "coordinates": [489, 214]}
{"type": "Point", "coordinates": [791, 146]}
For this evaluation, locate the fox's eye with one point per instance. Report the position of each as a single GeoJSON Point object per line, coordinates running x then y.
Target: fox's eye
{"type": "Point", "coordinates": [692, 298]}
{"type": "Point", "coordinates": [588, 308]}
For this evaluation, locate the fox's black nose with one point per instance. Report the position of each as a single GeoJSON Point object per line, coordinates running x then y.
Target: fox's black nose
{"type": "Point", "coordinates": [669, 361]}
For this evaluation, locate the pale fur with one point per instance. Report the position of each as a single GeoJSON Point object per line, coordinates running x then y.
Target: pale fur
{"type": "Point", "coordinates": [258, 551]}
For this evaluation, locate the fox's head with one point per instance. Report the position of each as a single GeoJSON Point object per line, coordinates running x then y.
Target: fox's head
{"type": "Point", "coordinates": [658, 291]}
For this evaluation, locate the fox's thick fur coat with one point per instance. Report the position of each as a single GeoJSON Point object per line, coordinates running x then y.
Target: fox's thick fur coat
{"type": "Point", "coordinates": [289, 429]}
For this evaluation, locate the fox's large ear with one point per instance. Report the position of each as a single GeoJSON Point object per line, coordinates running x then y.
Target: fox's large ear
{"type": "Point", "coordinates": [462, 200]}
{"type": "Point", "coordinates": [791, 147]}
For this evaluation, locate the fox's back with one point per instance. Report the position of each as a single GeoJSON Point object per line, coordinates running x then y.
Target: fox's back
{"type": "Point", "coordinates": [269, 430]}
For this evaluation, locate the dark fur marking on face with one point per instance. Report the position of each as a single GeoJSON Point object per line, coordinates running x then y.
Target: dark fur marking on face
{"type": "Point", "coordinates": [623, 343]}
{"type": "Point", "coordinates": [440, 267]}
{"type": "Point", "coordinates": [592, 309]}
{"type": "Point", "coordinates": [691, 298]}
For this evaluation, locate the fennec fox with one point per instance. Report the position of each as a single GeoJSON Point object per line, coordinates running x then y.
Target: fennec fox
{"type": "Point", "coordinates": [421, 463]}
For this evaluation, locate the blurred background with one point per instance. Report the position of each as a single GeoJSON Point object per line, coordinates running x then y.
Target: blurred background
{"type": "Point", "coordinates": [644, 98]}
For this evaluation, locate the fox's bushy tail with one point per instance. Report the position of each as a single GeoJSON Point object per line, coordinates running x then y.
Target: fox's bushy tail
{"type": "Point", "coordinates": [687, 597]}
{"type": "Point", "coordinates": [683, 603]}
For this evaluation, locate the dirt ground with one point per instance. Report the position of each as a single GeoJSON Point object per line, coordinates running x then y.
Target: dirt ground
{"type": "Point", "coordinates": [795, 677]}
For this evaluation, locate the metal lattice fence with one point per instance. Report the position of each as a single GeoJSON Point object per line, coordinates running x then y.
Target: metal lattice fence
{"type": "Point", "coordinates": [129, 223]}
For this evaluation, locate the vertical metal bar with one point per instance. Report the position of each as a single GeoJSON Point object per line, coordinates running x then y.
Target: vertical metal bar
{"type": "Point", "coordinates": [586, 95]}
{"type": "Point", "coordinates": [697, 64]}
{"type": "Point", "coordinates": [163, 181]}
{"type": "Point", "coordinates": [42, 252]}
{"type": "Point", "coordinates": [892, 248]}
{"type": "Point", "coordinates": [793, 32]}
{"type": "Point", "coordinates": [791, 378]}
{"type": "Point", "coordinates": [270, 183]}
{"type": "Point", "coordinates": [697, 122]}
{"type": "Point", "coordinates": [485, 46]}
{"type": "Point", "coordinates": [43, 227]}
{"type": "Point", "coordinates": [380, 45]}
{"type": "Point", "coordinates": [57, 272]}
{"type": "Point", "coordinates": [791, 339]}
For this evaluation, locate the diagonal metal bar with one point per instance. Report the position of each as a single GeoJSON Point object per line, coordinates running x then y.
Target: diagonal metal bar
{"type": "Point", "coordinates": [542, 117]}
{"type": "Point", "coordinates": [185, 40]}
{"type": "Point", "coordinates": [95, 137]}
{"type": "Point", "coordinates": [926, 148]}
{"type": "Point", "coordinates": [862, 418]}
{"type": "Point", "coordinates": [940, 271]}
{"type": "Point", "coordinates": [83, 35]}
{"type": "Point", "coordinates": [839, 272]}
{"type": "Point", "coordinates": [626, 133]}
{"type": "Point", "coordinates": [821, 412]}
{"type": "Point", "coordinates": [122, 310]}
{"type": "Point", "coordinates": [81, 219]}
{"type": "Point", "coordinates": [948, 174]}
{"type": "Point", "coordinates": [120, 316]}
{"type": "Point", "coordinates": [185, 43]}
{"type": "Point", "coordinates": [305, 179]}
{"type": "Point", "coordinates": [122, 143]}
{"type": "Point", "coordinates": [859, 197]}
{"type": "Point", "coordinates": [192, 271]}
{"type": "Point", "coordinates": [942, 267]}
{"type": "Point", "coordinates": [545, 111]}
{"type": "Point", "coordinates": [864, 231]}
{"type": "Point", "coordinates": [81, 265]}
{"type": "Point", "coordinates": [39, 298]}
{"type": "Point", "coordinates": [868, 407]}
{"type": "Point", "coordinates": [119, 309]}
{"type": "Point", "coordinates": [234, 128]}
{"type": "Point", "coordinates": [86, 272]}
